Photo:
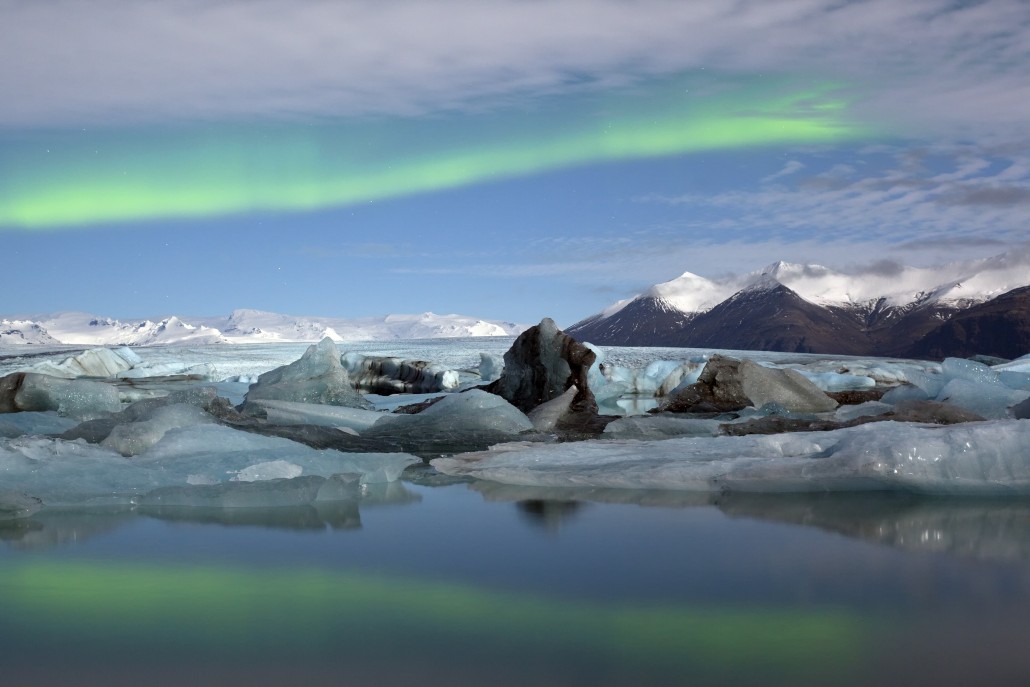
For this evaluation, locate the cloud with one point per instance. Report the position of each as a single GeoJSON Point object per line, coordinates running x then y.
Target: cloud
{"type": "Point", "coordinates": [918, 67]}
{"type": "Point", "coordinates": [880, 268]}
{"type": "Point", "coordinates": [958, 193]}
{"type": "Point", "coordinates": [792, 167]}
{"type": "Point", "coordinates": [1003, 196]}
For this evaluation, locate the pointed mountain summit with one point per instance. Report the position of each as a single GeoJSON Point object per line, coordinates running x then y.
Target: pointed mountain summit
{"type": "Point", "coordinates": [882, 310]}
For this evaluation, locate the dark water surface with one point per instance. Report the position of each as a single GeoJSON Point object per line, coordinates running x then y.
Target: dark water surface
{"type": "Point", "coordinates": [490, 585]}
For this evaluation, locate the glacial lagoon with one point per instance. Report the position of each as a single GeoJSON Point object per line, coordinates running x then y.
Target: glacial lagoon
{"type": "Point", "coordinates": [434, 580]}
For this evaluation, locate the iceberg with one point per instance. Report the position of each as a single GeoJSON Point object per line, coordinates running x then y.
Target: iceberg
{"type": "Point", "coordinates": [983, 458]}
{"type": "Point", "coordinates": [662, 427]}
{"type": "Point", "coordinates": [133, 438]}
{"type": "Point", "coordinates": [991, 400]}
{"type": "Point", "coordinates": [78, 398]}
{"type": "Point", "coordinates": [967, 384]}
{"type": "Point", "coordinates": [41, 422]}
{"type": "Point", "coordinates": [213, 453]}
{"type": "Point", "coordinates": [490, 367]}
{"type": "Point", "coordinates": [456, 414]}
{"type": "Point", "coordinates": [391, 375]}
{"type": "Point", "coordinates": [318, 377]}
{"type": "Point", "coordinates": [75, 472]}
{"type": "Point", "coordinates": [290, 413]}
{"type": "Point", "coordinates": [96, 362]}
{"type": "Point", "coordinates": [15, 505]}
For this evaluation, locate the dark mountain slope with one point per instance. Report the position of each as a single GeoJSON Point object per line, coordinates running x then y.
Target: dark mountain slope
{"type": "Point", "coordinates": [1000, 327]}
{"type": "Point", "coordinates": [773, 318]}
{"type": "Point", "coordinates": [643, 322]}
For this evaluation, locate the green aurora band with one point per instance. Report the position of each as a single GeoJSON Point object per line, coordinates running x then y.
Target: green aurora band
{"type": "Point", "coordinates": [229, 609]}
{"type": "Point", "coordinates": [82, 178]}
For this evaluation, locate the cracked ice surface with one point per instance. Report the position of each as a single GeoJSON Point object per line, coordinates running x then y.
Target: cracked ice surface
{"type": "Point", "coordinates": [974, 458]}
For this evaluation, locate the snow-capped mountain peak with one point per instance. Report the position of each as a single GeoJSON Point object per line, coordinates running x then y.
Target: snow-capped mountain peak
{"type": "Point", "coordinates": [691, 293]}
{"type": "Point", "coordinates": [879, 304]}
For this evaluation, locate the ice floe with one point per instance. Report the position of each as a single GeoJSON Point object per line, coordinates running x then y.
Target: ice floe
{"type": "Point", "coordinates": [62, 471]}
{"type": "Point", "coordinates": [971, 458]}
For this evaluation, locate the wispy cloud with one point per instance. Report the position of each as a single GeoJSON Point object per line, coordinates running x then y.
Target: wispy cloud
{"type": "Point", "coordinates": [792, 167]}
{"type": "Point", "coordinates": [923, 66]}
{"type": "Point", "coordinates": [963, 195]}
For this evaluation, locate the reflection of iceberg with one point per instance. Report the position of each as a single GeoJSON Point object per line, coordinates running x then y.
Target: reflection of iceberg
{"type": "Point", "coordinates": [316, 510]}
{"type": "Point", "coordinates": [996, 529]}
{"type": "Point", "coordinates": [993, 529]}
{"type": "Point", "coordinates": [495, 491]}
{"type": "Point", "coordinates": [337, 515]}
{"type": "Point", "coordinates": [56, 527]}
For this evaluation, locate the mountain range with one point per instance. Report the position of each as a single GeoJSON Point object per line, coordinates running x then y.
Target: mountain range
{"type": "Point", "coordinates": [241, 326]}
{"type": "Point", "coordinates": [962, 308]}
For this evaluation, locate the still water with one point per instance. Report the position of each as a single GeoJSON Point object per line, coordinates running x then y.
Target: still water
{"type": "Point", "coordinates": [442, 584]}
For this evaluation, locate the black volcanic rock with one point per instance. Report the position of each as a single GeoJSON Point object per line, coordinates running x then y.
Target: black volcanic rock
{"type": "Point", "coordinates": [645, 321]}
{"type": "Point", "coordinates": [541, 365]}
{"type": "Point", "coordinates": [1000, 327]}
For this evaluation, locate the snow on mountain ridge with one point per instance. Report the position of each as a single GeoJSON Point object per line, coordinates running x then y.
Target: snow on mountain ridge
{"type": "Point", "coordinates": [24, 332]}
{"type": "Point", "coordinates": [245, 326]}
{"type": "Point", "coordinates": [959, 284]}
{"type": "Point", "coordinates": [692, 293]}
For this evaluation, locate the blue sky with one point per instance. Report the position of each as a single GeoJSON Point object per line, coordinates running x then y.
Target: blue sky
{"type": "Point", "coordinates": [508, 160]}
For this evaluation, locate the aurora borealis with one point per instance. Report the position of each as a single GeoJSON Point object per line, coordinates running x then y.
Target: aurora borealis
{"type": "Point", "coordinates": [230, 609]}
{"type": "Point", "coordinates": [109, 176]}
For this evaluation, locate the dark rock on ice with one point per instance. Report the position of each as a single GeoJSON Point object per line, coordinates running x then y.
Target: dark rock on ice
{"type": "Point", "coordinates": [387, 375]}
{"type": "Point", "coordinates": [1021, 411]}
{"type": "Point", "coordinates": [93, 431]}
{"type": "Point", "coordinates": [853, 397]}
{"type": "Point", "coordinates": [773, 424]}
{"type": "Point", "coordinates": [932, 412]}
{"type": "Point", "coordinates": [416, 408]}
{"type": "Point", "coordinates": [717, 390]}
{"type": "Point", "coordinates": [541, 365]}
{"type": "Point", "coordinates": [926, 412]}
{"type": "Point", "coordinates": [727, 384]}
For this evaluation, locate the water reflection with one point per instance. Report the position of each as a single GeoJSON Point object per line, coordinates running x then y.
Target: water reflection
{"type": "Point", "coordinates": [548, 514]}
{"type": "Point", "coordinates": [57, 527]}
{"type": "Point", "coordinates": [997, 529]}
{"type": "Point", "coordinates": [50, 528]}
{"type": "Point", "coordinates": [989, 529]}
{"type": "Point", "coordinates": [337, 515]}
{"type": "Point", "coordinates": [237, 614]}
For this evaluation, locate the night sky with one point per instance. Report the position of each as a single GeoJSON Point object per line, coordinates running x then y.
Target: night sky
{"type": "Point", "coordinates": [505, 159]}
